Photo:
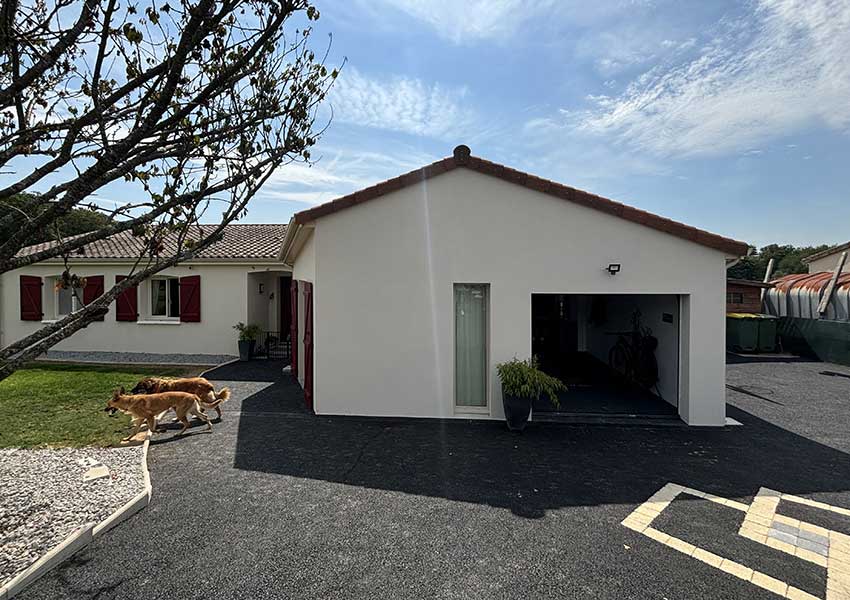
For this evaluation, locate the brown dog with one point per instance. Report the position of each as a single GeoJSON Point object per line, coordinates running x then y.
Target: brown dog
{"type": "Point", "coordinates": [199, 386]}
{"type": "Point", "coordinates": [144, 408]}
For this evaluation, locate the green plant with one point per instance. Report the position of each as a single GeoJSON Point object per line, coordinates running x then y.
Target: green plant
{"type": "Point", "coordinates": [247, 332]}
{"type": "Point", "coordinates": [523, 378]}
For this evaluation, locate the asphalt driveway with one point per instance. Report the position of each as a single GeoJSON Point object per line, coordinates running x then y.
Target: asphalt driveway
{"type": "Point", "coordinates": [278, 503]}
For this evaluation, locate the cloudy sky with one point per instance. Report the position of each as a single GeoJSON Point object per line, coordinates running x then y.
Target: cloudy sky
{"type": "Point", "coordinates": [730, 116]}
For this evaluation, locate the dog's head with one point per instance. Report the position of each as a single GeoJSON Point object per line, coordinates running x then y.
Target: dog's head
{"type": "Point", "coordinates": [112, 405]}
{"type": "Point", "coordinates": [147, 385]}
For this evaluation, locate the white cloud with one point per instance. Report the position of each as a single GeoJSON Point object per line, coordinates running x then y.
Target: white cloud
{"type": "Point", "coordinates": [338, 172]}
{"type": "Point", "coordinates": [780, 69]}
{"type": "Point", "coordinates": [401, 104]}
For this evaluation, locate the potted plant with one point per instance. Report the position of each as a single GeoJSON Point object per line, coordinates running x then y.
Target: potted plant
{"type": "Point", "coordinates": [522, 383]}
{"type": "Point", "coordinates": [248, 335]}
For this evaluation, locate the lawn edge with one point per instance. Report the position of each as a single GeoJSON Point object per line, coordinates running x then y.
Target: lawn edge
{"type": "Point", "coordinates": [83, 536]}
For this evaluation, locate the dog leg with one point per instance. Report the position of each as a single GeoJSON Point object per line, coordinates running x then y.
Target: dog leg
{"type": "Point", "coordinates": [196, 410]}
{"type": "Point", "coordinates": [137, 429]}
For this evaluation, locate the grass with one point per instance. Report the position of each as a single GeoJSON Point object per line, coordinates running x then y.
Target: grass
{"type": "Point", "coordinates": [50, 405]}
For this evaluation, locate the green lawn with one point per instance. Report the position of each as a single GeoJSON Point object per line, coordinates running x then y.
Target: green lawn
{"type": "Point", "coordinates": [48, 405]}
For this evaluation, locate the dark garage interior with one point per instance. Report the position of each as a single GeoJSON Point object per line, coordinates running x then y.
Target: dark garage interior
{"type": "Point", "coordinates": [589, 342]}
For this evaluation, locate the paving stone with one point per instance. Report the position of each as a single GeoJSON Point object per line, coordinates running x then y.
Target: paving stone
{"type": "Point", "coordinates": [813, 546]}
{"type": "Point", "coordinates": [784, 527]}
{"type": "Point", "coordinates": [813, 537]}
{"type": "Point", "coordinates": [783, 537]}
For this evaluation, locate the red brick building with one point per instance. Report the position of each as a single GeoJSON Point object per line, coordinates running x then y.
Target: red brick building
{"type": "Point", "coordinates": [744, 296]}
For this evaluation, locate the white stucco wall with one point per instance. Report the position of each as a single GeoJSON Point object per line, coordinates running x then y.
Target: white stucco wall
{"type": "Point", "coordinates": [224, 301]}
{"type": "Point", "coordinates": [384, 335]}
{"type": "Point", "coordinates": [827, 263]}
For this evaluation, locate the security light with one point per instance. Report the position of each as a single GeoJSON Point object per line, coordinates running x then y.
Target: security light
{"type": "Point", "coordinates": [613, 268]}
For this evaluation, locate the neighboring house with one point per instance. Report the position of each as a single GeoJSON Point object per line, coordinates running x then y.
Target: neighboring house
{"type": "Point", "coordinates": [408, 293]}
{"type": "Point", "coordinates": [744, 296]}
{"type": "Point", "coordinates": [187, 309]}
{"type": "Point", "coordinates": [826, 260]}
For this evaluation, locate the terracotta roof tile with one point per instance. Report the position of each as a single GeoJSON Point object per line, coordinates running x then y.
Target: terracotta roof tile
{"type": "Point", "coordinates": [463, 159]}
{"type": "Point", "coordinates": [241, 241]}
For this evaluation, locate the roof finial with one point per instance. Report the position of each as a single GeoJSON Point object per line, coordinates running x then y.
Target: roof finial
{"type": "Point", "coordinates": [461, 153]}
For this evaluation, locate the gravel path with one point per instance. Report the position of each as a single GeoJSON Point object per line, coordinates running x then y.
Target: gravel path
{"type": "Point", "coordinates": [43, 497]}
{"type": "Point", "coordinates": [138, 357]}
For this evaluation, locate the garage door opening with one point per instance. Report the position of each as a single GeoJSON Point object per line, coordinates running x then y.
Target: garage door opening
{"type": "Point", "coordinates": [617, 353]}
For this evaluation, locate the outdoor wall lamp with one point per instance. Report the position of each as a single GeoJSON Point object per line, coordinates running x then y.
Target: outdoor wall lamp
{"type": "Point", "coordinates": [262, 288]}
{"type": "Point", "coordinates": [613, 268]}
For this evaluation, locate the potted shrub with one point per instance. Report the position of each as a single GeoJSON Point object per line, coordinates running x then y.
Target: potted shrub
{"type": "Point", "coordinates": [522, 383]}
{"type": "Point", "coordinates": [248, 335]}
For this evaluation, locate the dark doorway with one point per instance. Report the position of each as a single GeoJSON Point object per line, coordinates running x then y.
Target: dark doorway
{"type": "Point", "coordinates": [573, 336]}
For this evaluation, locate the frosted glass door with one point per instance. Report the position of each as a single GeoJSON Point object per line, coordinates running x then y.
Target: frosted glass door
{"type": "Point", "coordinates": [471, 345]}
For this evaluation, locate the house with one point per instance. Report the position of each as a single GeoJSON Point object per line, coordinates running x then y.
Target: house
{"type": "Point", "coordinates": [407, 294]}
{"type": "Point", "coordinates": [189, 309]}
{"type": "Point", "coordinates": [744, 296]}
{"type": "Point", "coordinates": [826, 260]}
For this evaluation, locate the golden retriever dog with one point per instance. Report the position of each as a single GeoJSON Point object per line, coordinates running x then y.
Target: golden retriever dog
{"type": "Point", "coordinates": [144, 408]}
{"type": "Point", "coordinates": [199, 386]}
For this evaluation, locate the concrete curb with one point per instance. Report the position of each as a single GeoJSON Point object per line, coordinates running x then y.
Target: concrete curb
{"type": "Point", "coordinates": [74, 542]}
{"type": "Point", "coordinates": [82, 536]}
{"type": "Point", "coordinates": [137, 503]}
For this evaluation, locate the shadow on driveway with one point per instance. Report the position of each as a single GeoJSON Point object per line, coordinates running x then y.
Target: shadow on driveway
{"type": "Point", "coordinates": [547, 467]}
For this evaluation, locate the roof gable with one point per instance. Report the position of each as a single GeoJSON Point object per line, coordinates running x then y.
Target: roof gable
{"type": "Point", "coordinates": [463, 159]}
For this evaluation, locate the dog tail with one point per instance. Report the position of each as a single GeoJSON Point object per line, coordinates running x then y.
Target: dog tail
{"type": "Point", "coordinates": [223, 394]}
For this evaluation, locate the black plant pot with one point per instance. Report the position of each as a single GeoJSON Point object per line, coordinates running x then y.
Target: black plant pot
{"type": "Point", "coordinates": [246, 349]}
{"type": "Point", "coordinates": [517, 411]}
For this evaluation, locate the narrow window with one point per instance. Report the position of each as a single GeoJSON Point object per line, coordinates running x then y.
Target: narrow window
{"type": "Point", "coordinates": [64, 301]}
{"type": "Point", "coordinates": [471, 345]}
{"type": "Point", "coordinates": [158, 298]}
{"type": "Point", "coordinates": [165, 297]}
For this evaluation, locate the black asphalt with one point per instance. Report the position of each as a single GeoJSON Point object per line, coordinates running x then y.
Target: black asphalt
{"type": "Point", "coordinates": [278, 503]}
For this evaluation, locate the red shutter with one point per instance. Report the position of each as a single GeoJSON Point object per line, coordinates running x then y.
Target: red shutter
{"type": "Point", "coordinates": [127, 302]}
{"type": "Point", "coordinates": [308, 345]}
{"type": "Point", "coordinates": [93, 291]}
{"type": "Point", "coordinates": [30, 298]}
{"type": "Point", "coordinates": [293, 326]}
{"type": "Point", "coordinates": [190, 299]}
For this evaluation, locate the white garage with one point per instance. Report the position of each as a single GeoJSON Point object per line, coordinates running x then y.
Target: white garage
{"type": "Point", "coordinates": [408, 293]}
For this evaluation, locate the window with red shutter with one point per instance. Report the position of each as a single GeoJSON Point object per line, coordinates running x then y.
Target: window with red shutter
{"type": "Point", "coordinates": [190, 299]}
{"type": "Point", "coordinates": [93, 291]}
{"type": "Point", "coordinates": [127, 302]}
{"type": "Point", "coordinates": [30, 298]}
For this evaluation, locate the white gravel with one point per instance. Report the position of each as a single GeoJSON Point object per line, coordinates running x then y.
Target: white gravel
{"type": "Point", "coordinates": [43, 498]}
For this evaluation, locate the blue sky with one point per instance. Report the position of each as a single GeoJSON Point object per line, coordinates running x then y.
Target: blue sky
{"type": "Point", "coordinates": [730, 116]}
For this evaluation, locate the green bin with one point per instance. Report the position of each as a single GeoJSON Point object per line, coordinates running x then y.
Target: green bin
{"type": "Point", "coordinates": [767, 333]}
{"type": "Point", "coordinates": [750, 332]}
{"type": "Point", "coordinates": [742, 333]}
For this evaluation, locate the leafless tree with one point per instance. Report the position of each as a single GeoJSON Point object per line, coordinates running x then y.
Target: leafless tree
{"type": "Point", "coordinates": [194, 102]}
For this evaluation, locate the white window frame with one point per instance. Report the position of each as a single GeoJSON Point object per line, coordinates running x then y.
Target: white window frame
{"type": "Point", "coordinates": [76, 301]}
{"type": "Point", "coordinates": [166, 317]}
{"type": "Point", "coordinates": [487, 408]}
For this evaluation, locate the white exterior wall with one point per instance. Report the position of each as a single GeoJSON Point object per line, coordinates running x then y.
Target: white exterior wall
{"type": "Point", "coordinates": [384, 313]}
{"type": "Point", "coordinates": [224, 301]}
{"type": "Point", "coordinates": [827, 263]}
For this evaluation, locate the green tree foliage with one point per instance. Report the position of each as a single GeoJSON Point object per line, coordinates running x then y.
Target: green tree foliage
{"type": "Point", "coordinates": [788, 260]}
{"type": "Point", "coordinates": [74, 222]}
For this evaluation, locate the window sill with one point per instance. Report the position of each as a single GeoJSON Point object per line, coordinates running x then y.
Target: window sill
{"type": "Point", "coordinates": [158, 322]}
{"type": "Point", "coordinates": [472, 410]}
